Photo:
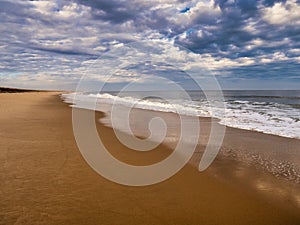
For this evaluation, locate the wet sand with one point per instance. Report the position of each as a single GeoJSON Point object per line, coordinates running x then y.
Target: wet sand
{"type": "Point", "coordinates": [45, 180]}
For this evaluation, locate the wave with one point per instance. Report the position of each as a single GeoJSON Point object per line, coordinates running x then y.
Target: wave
{"type": "Point", "coordinates": [265, 96]}
{"type": "Point", "coordinates": [266, 117]}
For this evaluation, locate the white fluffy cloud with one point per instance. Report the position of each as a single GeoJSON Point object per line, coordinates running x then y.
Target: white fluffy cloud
{"type": "Point", "coordinates": [287, 13]}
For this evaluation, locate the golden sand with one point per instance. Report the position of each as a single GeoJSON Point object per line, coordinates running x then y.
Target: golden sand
{"type": "Point", "coordinates": [45, 180]}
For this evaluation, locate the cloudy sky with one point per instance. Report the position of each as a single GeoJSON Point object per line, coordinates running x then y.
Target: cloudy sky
{"type": "Point", "coordinates": [246, 44]}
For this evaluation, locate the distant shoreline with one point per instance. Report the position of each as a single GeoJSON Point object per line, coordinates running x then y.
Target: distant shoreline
{"type": "Point", "coordinates": [16, 90]}
{"type": "Point", "coordinates": [21, 90]}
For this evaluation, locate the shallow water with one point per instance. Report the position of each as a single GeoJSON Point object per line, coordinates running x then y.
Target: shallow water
{"type": "Point", "coordinates": [271, 112]}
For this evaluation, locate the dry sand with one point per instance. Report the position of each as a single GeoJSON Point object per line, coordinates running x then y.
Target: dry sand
{"type": "Point", "coordinates": [44, 179]}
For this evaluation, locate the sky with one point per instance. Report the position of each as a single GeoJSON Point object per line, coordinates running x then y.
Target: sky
{"type": "Point", "coordinates": [245, 44]}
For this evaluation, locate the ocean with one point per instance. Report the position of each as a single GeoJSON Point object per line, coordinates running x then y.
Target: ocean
{"type": "Point", "coordinates": [274, 112]}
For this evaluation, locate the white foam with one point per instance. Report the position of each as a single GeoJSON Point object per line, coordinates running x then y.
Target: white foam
{"type": "Point", "coordinates": [270, 118]}
{"type": "Point", "coordinates": [273, 119]}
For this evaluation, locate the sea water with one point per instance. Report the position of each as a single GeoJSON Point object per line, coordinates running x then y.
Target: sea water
{"type": "Point", "coordinates": [272, 112]}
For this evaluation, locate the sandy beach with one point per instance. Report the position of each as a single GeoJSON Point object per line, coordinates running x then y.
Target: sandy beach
{"type": "Point", "coordinates": [45, 180]}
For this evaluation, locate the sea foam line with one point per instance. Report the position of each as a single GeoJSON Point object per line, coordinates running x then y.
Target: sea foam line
{"type": "Point", "coordinates": [269, 118]}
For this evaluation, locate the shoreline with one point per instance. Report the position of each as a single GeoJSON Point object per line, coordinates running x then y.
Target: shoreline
{"type": "Point", "coordinates": [252, 119]}
{"type": "Point", "coordinates": [249, 137]}
{"type": "Point", "coordinates": [18, 90]}
{"type": "Point", "coordinates": [272, 162]}
{"type": "Point", "coordinates": [46, 180]}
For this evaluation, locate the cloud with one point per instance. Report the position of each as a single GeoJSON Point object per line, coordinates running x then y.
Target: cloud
{"type": "Point", "coordinates": [283, 13]}
{"type": "Point", "coordinates": [51, 40]}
